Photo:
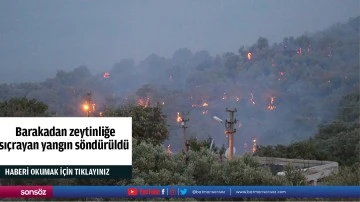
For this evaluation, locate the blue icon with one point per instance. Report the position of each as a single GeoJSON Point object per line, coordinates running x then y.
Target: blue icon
{"type": "Point", "coordinates": [183, 191]}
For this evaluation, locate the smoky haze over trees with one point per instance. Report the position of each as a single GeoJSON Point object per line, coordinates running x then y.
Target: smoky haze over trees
{"type": "Point", "coordinates": [282, 91]}
{"type": "Point", "coordinates": [39, 37]}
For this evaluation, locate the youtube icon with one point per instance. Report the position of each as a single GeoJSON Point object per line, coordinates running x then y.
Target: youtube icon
{"type": "Point", "coordinates": [132, 191]}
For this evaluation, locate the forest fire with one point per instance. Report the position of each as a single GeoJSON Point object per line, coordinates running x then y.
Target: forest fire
{"type": "Point", "coordinates": [178, 119]}
{"type": "Point", "coordinates": [169, 149]}
{"type": "Point", "coordinates": [249, 56]}
{"type": "Point", "coordinates": [271, 105]}
{"type": "Point", "coordinates": [204, 104]}
{"type": "Point", "coordinates": [299, 52]}
{"type": "Point", "coordinates": [254, 146]}
{"type": "Point", "coordinates": [86, 107]}
{"type": "Point", "coordinates": [106, 75]}
{"type": "Point", "coordinates": [144, 102]}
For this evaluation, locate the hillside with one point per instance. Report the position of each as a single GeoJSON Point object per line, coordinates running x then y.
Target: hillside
{"type": "Point", "coordinates": [336, 141]}
{"type": "Point", "coordinates": [282, 91]}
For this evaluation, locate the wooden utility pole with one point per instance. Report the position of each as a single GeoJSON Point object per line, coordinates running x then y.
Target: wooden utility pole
{"type": "Point", "coordinates": [230, 130]}
{"type": "Point", "coordinates": [89, 102]}
{"type": "Point", "coordinates": [184, 121]}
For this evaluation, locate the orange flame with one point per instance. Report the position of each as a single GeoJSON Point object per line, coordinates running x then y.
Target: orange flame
{"type": "Point", "coordinates": [106, 75]}
{"type": "Point", "coordinates": [254, 146]}
{"type": "Point", "coordinates": [168, 149]}
{"type": "Point", "coordinates": [205, 104]}
{"type": "Point", "coordinates": [178, 119]}
{"type": "Point", "coordinates": [86, 107]}
{"type": "Point", "coordinates": [144, 102]}
{"type": "Point", "coordinates": [89, 108]}
{"type": "Point", "coordinates": [249, 56]}
{"type": "Point", "coordinates": [299, 51]}
{"type": "Point", "coordinates": [271, 106]}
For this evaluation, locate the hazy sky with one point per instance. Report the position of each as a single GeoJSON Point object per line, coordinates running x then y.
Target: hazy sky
{"type": "Point", "coordinates": [38, 37]}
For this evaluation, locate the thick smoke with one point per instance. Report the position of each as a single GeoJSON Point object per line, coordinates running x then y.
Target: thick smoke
{"type": "Point", "coordinates": [281, 92]}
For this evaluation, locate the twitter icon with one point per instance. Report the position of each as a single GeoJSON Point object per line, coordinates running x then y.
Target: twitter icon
{"type": "Point", "coordinates": [183, 191]}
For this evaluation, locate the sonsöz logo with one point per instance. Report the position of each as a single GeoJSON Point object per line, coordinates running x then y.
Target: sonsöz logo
{"type": "Point", "coordinates": [33, 192]}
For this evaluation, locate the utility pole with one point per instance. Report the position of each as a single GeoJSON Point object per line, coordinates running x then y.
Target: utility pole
{"type": "Point", "coordinates": [230, 130]}
{"type": "Point", "coordinates": [89, 101]}
{"type": "Point", "coordinates": [184, 121]}
{"type": "Point", "coordinates": [88, 104]}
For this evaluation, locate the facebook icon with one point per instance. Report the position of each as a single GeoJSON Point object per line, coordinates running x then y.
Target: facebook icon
{"type": "Point", "coordinates": [162, 191]}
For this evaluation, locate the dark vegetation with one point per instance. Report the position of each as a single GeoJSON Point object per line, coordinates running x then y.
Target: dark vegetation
{"type": "Point", "coordinates": [312, 79]}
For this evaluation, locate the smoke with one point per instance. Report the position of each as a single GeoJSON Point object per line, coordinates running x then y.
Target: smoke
{"type": "Point", "coordinates": [280, 95]}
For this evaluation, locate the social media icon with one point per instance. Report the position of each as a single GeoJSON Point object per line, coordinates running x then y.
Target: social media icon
{"type": "Point", "coordinates": [173, 191]}
{"type": "Point", "coordinates": [132, 191]}
{"type": "Point", "coordinates": [162, 191]}
{"type": "Point", "coordinates": [183, 191]}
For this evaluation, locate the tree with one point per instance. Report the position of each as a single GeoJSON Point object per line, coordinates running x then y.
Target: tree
{"type": "Point", "coordinates": [349, 107]}
{"type": "Point", "coordinates": [262, 43]}
{"type": "Point", "coordinates": [303, 41]}
{"type": "Point", "coordinates": [149, 92]}
{"type": "Point", "coordinates": [182, 57]}
{"type": "Point", "coordinates": [75, 77]}
{"type": "Point", "coordinates": [340, 141]}
{"type": "Point", "coordinates": [23, 107]}
{"type": "Point", "coordinates": [196, 145]}
{"type": "Point", "coordinates": [149, 123]}
{"type": "Point", "coordinates": [347, 176]}
{"type": "Point", "coordinates": [231, 60]}
{"type": "Point", "coordinates": [124, 67]}
{"type": "Point", "coordinates": [294, 176]}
